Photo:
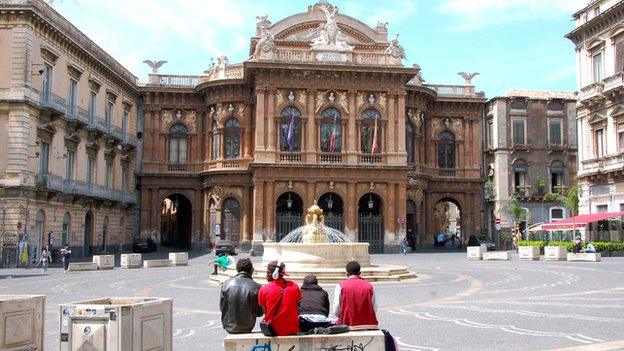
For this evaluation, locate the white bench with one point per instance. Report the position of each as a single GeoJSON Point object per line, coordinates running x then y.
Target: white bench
{"type": "Point", "coordinates": [104, 261]}
{"type": "Point", "coordinates": [497, 255]}
{"type": "Point", "coordinates": [131, 261]}
{"type": "Point", "coordinates": [585, 256]}
{"type": "Point", "coordinates": [82, 266]}
{"type": "Point", "coordinates": [529, 253]}
{"type": "Point", "coordinates": [475, 253]}
{"type": "Point", "coordinates": [179, 258]}
{"type": "Point", "coordinates": [156, 263]}
{"type": "Point", "coordinates": [369, 339]}
{"type": "Point", "coordinates": [555, 253]}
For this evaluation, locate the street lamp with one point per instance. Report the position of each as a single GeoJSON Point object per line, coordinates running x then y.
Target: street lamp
{"type": "Point", "coordinates": [371, 203]}
{"type": "Point", "coordinates": [289, 202]}
{"type": "Point", "coordinates": [330, 202]}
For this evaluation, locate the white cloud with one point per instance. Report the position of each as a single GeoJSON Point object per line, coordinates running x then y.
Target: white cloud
{"type": "Point", "coordinates": [391, 11]}
{"type": "Point", "coordinates": [477, 14]}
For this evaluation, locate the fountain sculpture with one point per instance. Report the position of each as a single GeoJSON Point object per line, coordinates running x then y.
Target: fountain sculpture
{"type": "Point", "coordinates": [318, 249]}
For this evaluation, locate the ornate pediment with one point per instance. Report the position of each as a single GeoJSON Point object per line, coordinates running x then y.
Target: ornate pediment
{"type": "Point", "coordinates": [596, 118]}
{"type": "Point", "coordinates": [617, 112]}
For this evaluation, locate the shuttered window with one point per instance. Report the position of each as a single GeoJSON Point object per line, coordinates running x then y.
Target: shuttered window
{"type": "Point", "coordinates": [619, 55]}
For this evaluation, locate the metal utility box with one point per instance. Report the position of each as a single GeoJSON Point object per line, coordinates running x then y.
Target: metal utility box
{"type": "Point", "coordinates": [116, 324]}
{"type": "Point", "coordinates": [21, 322]}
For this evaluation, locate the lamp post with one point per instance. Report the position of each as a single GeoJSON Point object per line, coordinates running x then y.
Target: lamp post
{"type": "Point", "coordinates": [371, 203]}
{"type": "Point", "coordinates": [330, 202]}
{"type": "Point", "coordinates": [289, 202]}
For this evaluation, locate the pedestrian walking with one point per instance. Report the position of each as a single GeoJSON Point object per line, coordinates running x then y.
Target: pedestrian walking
{"type": "Point", "coordinates": [44, 259]}
{"type": "Point", "coordinates": [405, 245]}
{"type": "Point", "coordinates": [66, 253]}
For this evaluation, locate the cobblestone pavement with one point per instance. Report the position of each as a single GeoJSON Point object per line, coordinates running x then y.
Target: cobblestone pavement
{"type": "Point", "coordinates": [453, 305]}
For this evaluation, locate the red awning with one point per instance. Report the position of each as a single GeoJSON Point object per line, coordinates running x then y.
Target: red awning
{"type": "Point", "coordinates": [580, 221]}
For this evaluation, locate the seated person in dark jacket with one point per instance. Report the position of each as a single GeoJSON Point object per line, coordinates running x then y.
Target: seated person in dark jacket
{"type": "Point", "coordinates": [239, 300]}
{"type": "Point", "coordinates": [314, 305]}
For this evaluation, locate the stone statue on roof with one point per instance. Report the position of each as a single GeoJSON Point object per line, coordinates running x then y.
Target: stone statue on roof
{"type": "Point", "coordinates": [395, 49]}
{"type": "Point", "coordinates": [328, 36]}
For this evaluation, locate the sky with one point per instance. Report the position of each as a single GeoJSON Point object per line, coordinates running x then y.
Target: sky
{"type": "Point", "coordinates": [512, 44]}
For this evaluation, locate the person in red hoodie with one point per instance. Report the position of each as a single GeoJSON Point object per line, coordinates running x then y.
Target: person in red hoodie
{"type": "Point", "coordinates": [280, 301]}
{"type": "Point", "coordinates": [354, 300]}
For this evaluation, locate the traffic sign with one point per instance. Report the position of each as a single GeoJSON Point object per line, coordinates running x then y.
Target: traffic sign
{"type": "Point", "coordinates": [497, 221]}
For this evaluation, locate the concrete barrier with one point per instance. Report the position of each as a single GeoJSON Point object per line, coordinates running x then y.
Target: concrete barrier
{"type": "Point", "coordinates": [21, 322]}
{"type": "Point", "coordinates": [529, 253]}
{"type": "Point", "coordinates": [497, 255]}
{"type": "Point", "coordinates": [131, 261]}
{"type": "Point", "coordinates": [156, 263]}
{"type": "Point", "coordinates": [555, 253]}
{"type": "Point", "coordinates": [475, 253]}
{"type": "Point", "coordinates": [179, 258]}
{"type": "Point", "coordinates": [104, 261]}
{"type": "Point", "coordinates": [369, 340]}
{"type": "Point", "coordinates": [585, 256]}
{"type": "Point", "coordinates": [116, 324]}
{"type": "Point", "coordinates": [82, 266]}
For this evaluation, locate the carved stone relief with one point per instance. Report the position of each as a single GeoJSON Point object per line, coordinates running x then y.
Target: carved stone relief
{"type": "Point", "coordinates": [166, 119]}
{"type": "Point", "coordinates": [342, 101]}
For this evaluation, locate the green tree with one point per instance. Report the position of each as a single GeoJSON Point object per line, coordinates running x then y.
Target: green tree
{"type": "Point", "coordinates": [570, 200]}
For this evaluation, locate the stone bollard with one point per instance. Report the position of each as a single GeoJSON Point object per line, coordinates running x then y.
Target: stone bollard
{"type": "Point", "coordinates": [22, 322]}
{"type": "Point", "coordinates": [555, 253]}
{"type": "Point", "coordinates": [116, 324]}
{"type": "Point", "coordinates": [104, 261]}
{"type": "Point", "coordinates": [131, 261]}
{"type": "Point", "coordinates": [475, 253]}
{"type": "Point", "coordinates": [179, 258]}
{"type": "Point", "coordinates": [529, 253]}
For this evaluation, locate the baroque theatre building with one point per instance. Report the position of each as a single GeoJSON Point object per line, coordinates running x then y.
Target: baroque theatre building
{"type": "Point", "coordinates": [322, 111]}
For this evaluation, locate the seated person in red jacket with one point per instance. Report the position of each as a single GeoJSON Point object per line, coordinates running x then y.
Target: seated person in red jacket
{"type": "Point", "coordinates": [354, 300]}
{"type": "Point", "coordinates": [280, 301]}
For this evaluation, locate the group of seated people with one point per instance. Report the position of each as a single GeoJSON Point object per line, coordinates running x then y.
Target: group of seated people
{"type": "Point", "coordinates": [290, 310]}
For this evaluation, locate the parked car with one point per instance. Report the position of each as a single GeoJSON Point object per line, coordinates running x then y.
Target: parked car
{"type": "Point", "coordinates": [483, 241]}
{"type": "Point", "coordinates": [144, 245]}
{"type": "Point", "coordinates": [225, 246]}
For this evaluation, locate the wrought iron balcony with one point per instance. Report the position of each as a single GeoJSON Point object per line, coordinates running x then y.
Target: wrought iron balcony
{"type": "Point", "coordinates": [50, 182]}
{"type": "Point", "coordinates": [77, 114]}
{"type": "Point", "coordinates": [130, 139]}
{"type": "Point", "coordinates": [128, 197]}
{"type": "Point", "coordinates": [53, 102]}
{"type": "Point", "coordinates": [523, 191]}
{"type": "Point", "coordinates": [75, 187]}
{"type": "Point", "coordinates": [560, 189]}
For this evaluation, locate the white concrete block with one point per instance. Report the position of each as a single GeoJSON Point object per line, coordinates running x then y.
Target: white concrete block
{"type": "Point", "coordinates": [179, 258]}
{"type": "Point", "coordinates": [131, 261]}
{"type": "Point", "coordinates": [585, 256]}
{"type": "Point", "coordinates": [82, 266]}
{"type": "Point", "coordinates": [555, 253]}
{"type": "Point", "coordinates": [156, 263]}
{"type": "Point", "coordinates": [104, 261]}
{"type": "Point", "coordinates": [475, 252]}
{"type": "Point", "coordinates": [373, 339]}
{"type": "Point", "coordinates": [21, 322]}
{"type": "Point", "coordinates": [529, 253]}
{"type": "Point", "coordinates": [497, 255]}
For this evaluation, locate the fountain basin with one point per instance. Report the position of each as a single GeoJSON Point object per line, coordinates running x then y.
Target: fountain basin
{"type": "Point", "coordinates": [320, 255]}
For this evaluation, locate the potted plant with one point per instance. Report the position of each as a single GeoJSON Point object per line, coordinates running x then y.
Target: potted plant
{"type": "Point", "coordinates": [541, 183]}
{"type": "Point", "coordinates": [517, 214]}
{"type": "Point", "coordinates": [571, 201]}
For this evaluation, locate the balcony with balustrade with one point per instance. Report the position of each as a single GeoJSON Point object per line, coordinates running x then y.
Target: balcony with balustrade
{"type": "Point", "coordinates": [51, 182]}
{"type": "Point", "coordinates": [601, 165]}
{"type": "Point", "coordinates": [523, 192]}
{"type": "Point", "coordinates": [447, 172]}
{"type": "Point", "coordinates": [614, 84]}
{"type": "Point", "coordinates": [289, 157]}
{"type": "Point", "coordinates": [56, 105]}
{"type": "Point", "coordinates": [591, 92]}
{"type": "Point", "coordinates": [82, 188]}
{"type": "Point", "coordinates": [370, 159]}
{"type": "Point", "coordinates": [329, 158]}
{"type": "Point", "coordinates": [560, 190]}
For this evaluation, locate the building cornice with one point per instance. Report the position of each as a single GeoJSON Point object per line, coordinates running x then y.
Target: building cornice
{"type": "Point", "coordinates": [605, 20]}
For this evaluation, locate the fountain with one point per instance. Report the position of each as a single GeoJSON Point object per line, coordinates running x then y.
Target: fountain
{"type": "Point", "coordinates": [323, 251]}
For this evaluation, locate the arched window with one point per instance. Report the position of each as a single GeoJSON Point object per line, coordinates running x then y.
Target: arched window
{"type": "Point", "coordinates": [557, 172]}
{"type": "Point", "coordinates": [178, 144]}
{"type": "Point", "coordinates": [409, 142]}
{"type": "Point", "coordinates": [66, 228]}
{"type": "Point", "coordinates": [331, 130]}
{"type": "Point", "coordinates": [446, 150]}
{"type": "Point", "coordinates": [214, 148]}
{"type": "Point", "coordinates": [232, 138]}
{"type": "Point", "coordinates": [290, 135]}
{"type": "Point", "coordinates": [370, 138]}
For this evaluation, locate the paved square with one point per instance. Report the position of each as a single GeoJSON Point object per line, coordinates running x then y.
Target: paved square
{"type": "Point", "coordinates": [454, 304]}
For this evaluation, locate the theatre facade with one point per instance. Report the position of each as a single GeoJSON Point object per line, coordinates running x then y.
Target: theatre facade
{"type": "Point", "coordinates": [323, 111]}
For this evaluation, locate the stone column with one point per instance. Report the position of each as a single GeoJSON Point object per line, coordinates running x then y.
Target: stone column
{"type": "Point", "coordinates": [196, 226]}
{"type": "Point", "coordinates": [390, 219]}
{"type": "Point", "coordinates": [400, 115]}
{"type": "Point", "coordinates": [155, 210]}
{"type": "Point", "coordinates": [310, 194]}
{"type": "Point", "coordinates": [245, 222]}
{"type": "Point", "coordinates": [247, 132]}
{"type": "Point", "coordinates": [207, 224]}
{"type": "Point", "coordinates": [269, 225]}
{"type": "Point", "coordinates": [270, 118]}
{"type": "Point", "coordinates": [351, 135]}
{"type": "Point", "coordinates": [350, 204]}
{"type": "Point", "coordinates": [260, 148]}
{"type": "Point", "coordinates": [390, 136]}
{"type": "Point", "coordinates": [258, 218]}
{"type": "Point", "coordinates": [310, 127]}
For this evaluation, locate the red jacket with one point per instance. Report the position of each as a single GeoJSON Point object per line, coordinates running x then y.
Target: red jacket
{"type": "Point", "coordinates": [356, 302]}
{"type": "Point", "coordinates": [285, 321]}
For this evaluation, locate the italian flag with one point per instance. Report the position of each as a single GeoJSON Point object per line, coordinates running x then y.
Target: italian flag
{"type": "Point", "coordinates": [334, 135]}
{"type": "Point", "coordinates": [375, 148]}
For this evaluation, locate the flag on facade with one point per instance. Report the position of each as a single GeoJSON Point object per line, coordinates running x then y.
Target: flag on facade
{"type": "Point", "coordinates": [375, 147]}
{"type": "Point", "coordinates": [290, 136]}
{"type": "Point", "coordinates": [334, 136]}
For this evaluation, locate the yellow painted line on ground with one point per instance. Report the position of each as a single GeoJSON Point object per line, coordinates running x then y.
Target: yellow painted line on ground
{"type": "Point", "coordinates": [604, 346]}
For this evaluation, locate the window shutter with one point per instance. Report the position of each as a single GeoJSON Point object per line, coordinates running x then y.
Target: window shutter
{"type": "Point", "coordinates": [619, 56]}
